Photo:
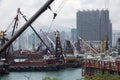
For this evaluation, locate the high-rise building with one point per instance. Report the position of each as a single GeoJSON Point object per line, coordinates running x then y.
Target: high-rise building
{"type": "Point", "coordinates": [31, 39]}
{"type": "Point", "coordinates": [73, 35]}
{"type": "Point", "coordinates": [94, 25]}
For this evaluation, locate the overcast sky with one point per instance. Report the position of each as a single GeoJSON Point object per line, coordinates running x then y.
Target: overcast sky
{"type": "Point", "coordinates": [66, 17]}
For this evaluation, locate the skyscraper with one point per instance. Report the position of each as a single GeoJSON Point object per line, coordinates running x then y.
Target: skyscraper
{"type": "Point", "coordinates": [31, 39]}
{"type": "Point", "coordinates": [73, 35]}
{"type": "Point", "coordinates": [94, 25]}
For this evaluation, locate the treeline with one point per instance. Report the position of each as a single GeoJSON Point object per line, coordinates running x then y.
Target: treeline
{"type": "Point", "coordinates": [97, 76]}
{"type": "Point", "coordinates": [48, 78]}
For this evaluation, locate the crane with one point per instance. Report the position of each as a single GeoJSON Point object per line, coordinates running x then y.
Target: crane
{"type": "Point", "coordinates": [26, 25]}
{"type": "Point", "coordinates": [87, 44]}
{"type": "Point", "coordinates": [36, 32]}
{"type": "Point", "coordinates": [48, 38]}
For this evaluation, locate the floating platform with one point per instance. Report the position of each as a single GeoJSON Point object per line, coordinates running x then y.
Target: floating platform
{"type": "Point", "coordinates": [41, 65]}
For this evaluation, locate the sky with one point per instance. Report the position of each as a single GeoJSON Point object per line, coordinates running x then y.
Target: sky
{"type": "Point", "coordinates": [66, 18]}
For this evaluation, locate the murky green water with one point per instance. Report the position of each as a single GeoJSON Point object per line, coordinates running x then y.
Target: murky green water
{"type": "Point", "coordinates": [67, 74]}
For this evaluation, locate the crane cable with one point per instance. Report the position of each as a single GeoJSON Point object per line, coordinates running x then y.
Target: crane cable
{"type": "Point", "coordinates": [56, 12]}
{"type": "Point", "coordinates": [61, 6]}
{"type": "Point", "coordinates": [12, 23]}
{"type": "Point", "coordinates": [9, 25]}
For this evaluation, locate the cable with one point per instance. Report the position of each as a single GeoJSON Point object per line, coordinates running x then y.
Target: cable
{"type": "Point", "coordinates": [54, 2]}
{"type": "Point", "coordinates": [9, 26]}
{"type": "Point", "coordinates": [19, 25]}
{"type": "Point", "coordinates": [61, 6]}
{"type": "Point", "coordinates": [56, 12]}
{"type": "Point", "coordinates": [50, 26]}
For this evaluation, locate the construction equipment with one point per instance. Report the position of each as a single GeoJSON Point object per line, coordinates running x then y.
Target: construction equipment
{"type": "Point", "coordinates": [88, 45]}
{"type": "Point", "coordinates": [69, 52]}
{"type": "Point", "coordinates": [25, 26]}
{"type": "Point", "coordinates": [59, 52]}
{"type": "Point", "coordinates": [21, 30]}
{"type": "Point", "coordinates": [36, 32]}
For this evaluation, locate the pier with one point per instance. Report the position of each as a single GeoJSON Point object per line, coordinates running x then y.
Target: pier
{"type": "Point", "coordinates": [92, 66]}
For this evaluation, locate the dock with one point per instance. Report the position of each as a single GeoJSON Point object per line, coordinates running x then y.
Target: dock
{"type": "Point", "coordinates": [92, 66]}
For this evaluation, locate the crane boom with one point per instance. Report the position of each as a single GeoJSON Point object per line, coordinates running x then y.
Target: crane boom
{"type": "Point", "coordinates": [25, 26]}
{"type": "Point", "coordinates": [87, 45]}
{"type": "Point", "coordinates": [36, 33]}
{"type": "Point", "coordinates": [48, 38]}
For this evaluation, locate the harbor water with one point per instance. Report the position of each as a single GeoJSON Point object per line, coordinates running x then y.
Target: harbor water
{"type": "Point", "coordinates": [66, 74]}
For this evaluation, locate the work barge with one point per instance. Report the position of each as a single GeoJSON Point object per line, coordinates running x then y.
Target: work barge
{"type": "Point", "coordinates": [42, 65]}
{"type": "Point", "coordinates": [59, 59]}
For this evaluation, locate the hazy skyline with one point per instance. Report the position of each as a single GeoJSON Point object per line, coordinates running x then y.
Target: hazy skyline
{"type": "Point", "coordinates": [66, 17]}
